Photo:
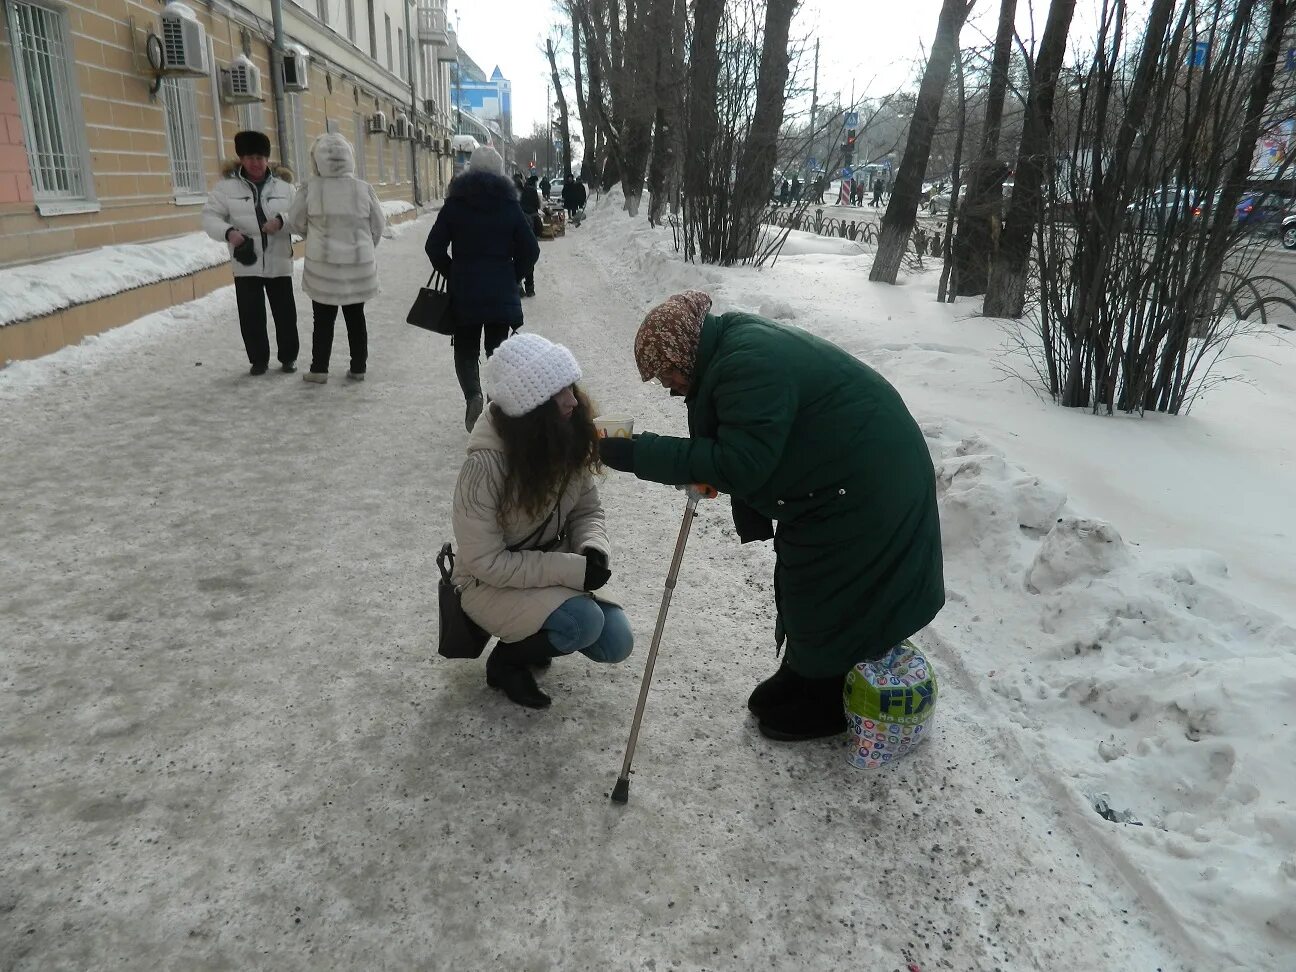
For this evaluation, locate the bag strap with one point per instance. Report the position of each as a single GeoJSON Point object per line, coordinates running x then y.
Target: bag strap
{"type": "Point", "coordinates": [446, 556]}
{"type": "Point", "coordinates": [539, 531]}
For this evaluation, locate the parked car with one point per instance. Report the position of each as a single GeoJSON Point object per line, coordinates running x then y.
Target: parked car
{"type": "Point", "coordinates": [555, 190]}
{"type": "Point", "coordinates": [1262, 212]}
{"type": "Point", "coordinates": [1288, 233]}
{"type": "Point", "coordinates": [1169, 206]}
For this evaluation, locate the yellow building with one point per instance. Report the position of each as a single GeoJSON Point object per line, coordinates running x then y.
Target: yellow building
{"type": "Point", "coordinates": [116, 116]}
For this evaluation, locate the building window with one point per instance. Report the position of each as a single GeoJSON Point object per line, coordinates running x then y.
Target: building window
{"type": "Point", "coordinates": [249, 116]}
{"type": "Point", "coordinates": [373, 32]}
{"type": "Point", "coordinates": [387, 22]}
{"type": "Point", "coordinates": [48, 103]}
{"type": "Point", "coordinates": [381, 142]}
{"type": "Point", "coordinates": [350, 20]}
{"type": "Point", "coordinates": [322, 9]}
{"type": "Point", "coordinates": [400, 50]}
{"type": "Point", "coordinates": [183, 139]}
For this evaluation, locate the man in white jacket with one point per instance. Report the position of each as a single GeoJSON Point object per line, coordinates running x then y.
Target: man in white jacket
{"type": "Point", "coordinates": [247, 210]}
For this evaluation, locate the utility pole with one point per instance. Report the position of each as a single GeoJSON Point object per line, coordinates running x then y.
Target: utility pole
{"type": "Point", "coordinates": [414, 106]}
{"type": "Point", "coordinates": [814, 105]}
{"type": "Point", "coordinates": [276, 82]}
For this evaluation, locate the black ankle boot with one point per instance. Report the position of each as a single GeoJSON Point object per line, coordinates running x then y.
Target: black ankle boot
{"type": "Point", "coordinates": [774, 691]}
{"type": "Point", "coordinates": [506, 669]}
{"type": "Point", "coordinates": [809, 708]}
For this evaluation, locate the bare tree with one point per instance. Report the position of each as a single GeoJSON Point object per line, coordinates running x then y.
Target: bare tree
{"type": "Point", "coordinates": [583, 107]}
{"type": "Point", "coordinates": [978, 219]}
{"type": "Point", "coordinates": [700, 203]}
{"type": "Point", "coordinates": [563, 128]}
{"type": "Point", "coordinates": [1006, 291]}
{"type": "Point", "coordinates": [898, 222]}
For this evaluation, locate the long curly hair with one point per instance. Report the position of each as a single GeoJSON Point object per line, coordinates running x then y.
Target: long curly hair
{"type": "Point", "coordinates": [543, 450]}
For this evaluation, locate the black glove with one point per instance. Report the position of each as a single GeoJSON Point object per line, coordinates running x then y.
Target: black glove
{"type": "Point", "coordinates": [596, 569]}
{"type": "Point", "coordinates": [617, 454]}
{"type": "Point", "coordinates": [245, 252]}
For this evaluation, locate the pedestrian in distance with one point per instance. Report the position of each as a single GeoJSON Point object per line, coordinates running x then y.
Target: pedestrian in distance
{"type": "Point", "coordinates": [518, 181]}
{"type": "Point", "coordinates": [342, 220]}
{"type": "Point", "coordinates": [532, 203]}
{"type": "Point", "coordinates": [574, 197]}
{"type": "Point", "coordinates": [785, 193]}
{"type": "Point", "coordinates": [531, 532]}
{"type": "Point", "coordinates": [799, 432]}
{"type": "Point", "coordinates": [796, 189]}
{"type": "Point", "coordinates": [877, 193]}
{"type": "Point", "coordinates": [246, 210]}
{"type": "Point", "coordinates": [493, 249]}
{"type": "Point", "coordinates": [545, 186]}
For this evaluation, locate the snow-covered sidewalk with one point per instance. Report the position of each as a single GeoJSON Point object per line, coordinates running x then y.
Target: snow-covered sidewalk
{"type": "Point", "coordinates": [228, 741]}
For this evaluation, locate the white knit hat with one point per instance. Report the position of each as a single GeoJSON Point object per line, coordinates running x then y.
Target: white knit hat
{"type": "Point", "coordinates": [486, 159]}
{"type": "Point", "coordinates": [526, 371]}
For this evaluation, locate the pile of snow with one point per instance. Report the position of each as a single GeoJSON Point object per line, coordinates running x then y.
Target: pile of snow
{"type": "Point", "coordinates": [1153, 683]}
{"type": "Point", "coordinates": [36, 289]}
{"type": "Point", "coordinates": [395, 207]}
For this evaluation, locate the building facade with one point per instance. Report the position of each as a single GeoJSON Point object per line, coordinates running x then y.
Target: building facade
{"type": "Point", "coordinates": [488, 99]}
{"type": "Point", "coordinates": [117, 116]}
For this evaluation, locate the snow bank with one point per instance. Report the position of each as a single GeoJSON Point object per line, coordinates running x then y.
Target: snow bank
{"type": "Point", "coordinates": [1145, 680]}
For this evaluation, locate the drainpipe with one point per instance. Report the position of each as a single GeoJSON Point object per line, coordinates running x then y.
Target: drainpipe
{"type": "Point", "coordinates": [276, 80]}
{"type": "Point", "coordinates": [409, 66]}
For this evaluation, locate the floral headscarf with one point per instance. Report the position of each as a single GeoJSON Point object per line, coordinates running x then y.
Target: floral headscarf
{"type": "Point", "coordinates": [669, 336]}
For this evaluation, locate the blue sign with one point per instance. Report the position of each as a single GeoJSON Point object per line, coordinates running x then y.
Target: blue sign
{"type": "Point", "coordinates": [1200, 52]}
{"type": "Point", "coordinates": [846, 172]}
{"type": "Point", "coordinates": [812, 163]}
{"type": "Point", "coordinates": [852, 119]}
{"type": "Point", "coordinates": [1291, 59]}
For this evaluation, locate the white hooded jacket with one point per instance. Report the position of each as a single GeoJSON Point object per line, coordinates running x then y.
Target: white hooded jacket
{"type": "Point", "coordinates": [342, 220]}
{"type": "Point", "coordinates": [232, 204]}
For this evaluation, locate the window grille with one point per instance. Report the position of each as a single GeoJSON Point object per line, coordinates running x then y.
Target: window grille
{"type": "Point", "coordinates": [387, 24]}
{"type": "Point", "coordinates": [350, 20]}
{"type": "Point", "coordinates": [400, 50]}
{"type": "Point", "coordinates": [55, 153]}
{"type": "Point", "coordinates": [297, 153]}
{"type": "Point", "coordinates": [183, 138]}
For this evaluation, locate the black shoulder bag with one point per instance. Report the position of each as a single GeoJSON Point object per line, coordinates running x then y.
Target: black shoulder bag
{"type": "Point", "coordinates": [431, 310]}
{"type": "Point", "coordinates": [460, 636]}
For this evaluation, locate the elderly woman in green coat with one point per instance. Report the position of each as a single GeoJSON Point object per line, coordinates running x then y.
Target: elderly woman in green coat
{"type": "Point", "coordinates": [801, 434]}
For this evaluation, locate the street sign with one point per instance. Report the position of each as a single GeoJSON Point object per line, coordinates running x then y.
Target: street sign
{"type": "Point", "coordinates": [846, 173]}
{"type": "Point", "coordinates": [1200, 52]}
{"type": "Point", "coordinates": [812, 163]}
{"type": "Point", "coordinates": [852, 119]}
{"type": "Point", "coordinates": [1291, 59]}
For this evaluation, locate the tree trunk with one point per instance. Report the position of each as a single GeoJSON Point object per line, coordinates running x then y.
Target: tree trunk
{"type": "Point", "coordinates": [669, 81]}
{"type": "Point", "coordinates": [563, 128]}
{"type": "Point", "coordinates": [946, 289]}
{"type": "Point", "coordinates": [645, 34]}
{"type": "Point", "coordinates": [760, 152]}
{"type": "Point", "coordinates": [1006, 293]}
{"type": "Point", "coordinates": [978, 221]}
{"type": "Point", "coordinates": [898, 222]}
{"type": "Point", "coordinates": [700, 136]}
{"type": "Point", "coordinates": [588, 125]}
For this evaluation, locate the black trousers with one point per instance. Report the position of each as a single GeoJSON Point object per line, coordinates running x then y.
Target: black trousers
{"type": "Point", "coordinates": [252, 293]}
{"type": "Point", "coordinates": [322, 337]}
{"type": "Point", "coordinates": [467, 353]}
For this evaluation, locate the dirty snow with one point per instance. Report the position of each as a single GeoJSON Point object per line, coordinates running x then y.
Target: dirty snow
{"type": "Point", "coordinates": [229, 741]}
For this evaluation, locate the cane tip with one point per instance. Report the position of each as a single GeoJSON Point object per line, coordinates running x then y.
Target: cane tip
{"type": "Point", "coordinates": [621, 792]}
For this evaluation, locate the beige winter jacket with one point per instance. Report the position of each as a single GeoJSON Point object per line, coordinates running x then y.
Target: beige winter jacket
{"type": "Point", "coordinates": [510, 594]}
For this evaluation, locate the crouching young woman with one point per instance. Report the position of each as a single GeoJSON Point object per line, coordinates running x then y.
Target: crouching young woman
{"type": "Point", "coordinates": [528, 523]}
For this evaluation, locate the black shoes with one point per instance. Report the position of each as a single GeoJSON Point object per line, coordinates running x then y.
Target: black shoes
{"type": "Point", "coordinates": [258, 370]}
{"type": "Point", "coordinates": [529, 292]}
{"type": "Point", "coordinates": [288, 367]}
{"type": "Point", "coordinates": [792, 708]}
{"type": "Point", "coordinates": [507, 669]}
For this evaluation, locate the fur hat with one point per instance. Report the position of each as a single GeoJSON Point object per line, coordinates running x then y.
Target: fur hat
{"type": "Point", "coordinates": [251, 143]}
{"type": "Point", "coordinates": [486, 159]}
{"type": "Point", "coordinates": [526, 371]}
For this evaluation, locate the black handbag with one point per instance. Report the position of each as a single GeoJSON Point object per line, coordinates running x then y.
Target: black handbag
{"type": "Point", "coordinates": [461, 636]}
{"type": "Point", "coordinates": [431, 310]}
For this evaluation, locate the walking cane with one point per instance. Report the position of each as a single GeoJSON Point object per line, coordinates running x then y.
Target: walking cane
{"type": "Point", "coordinates": [697, 491]}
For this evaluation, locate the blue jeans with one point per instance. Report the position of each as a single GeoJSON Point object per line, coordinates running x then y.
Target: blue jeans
{"type": "Point", "coordinates": [601, 632]}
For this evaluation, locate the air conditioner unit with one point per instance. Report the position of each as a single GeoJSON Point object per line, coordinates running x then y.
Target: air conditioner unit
{"type": "Point", "coordinates": [184, 42]}
{"type": "Point", "coordinates": [296, 68]}
{"type": "Point", "coordinates": [377, 123]}
{"type": "Point", "coordinates": [445, 146]}
{"type": "Point", "coordinates": [428, 140]}
{"type": "Point", "coordinates": [420, 134]}
{"type": "Point", "coordinates": [429, 106]}
{"type": "Point", "coordinates": [400, 127]}
{"type": "Point", "coordinates": [240, 82]}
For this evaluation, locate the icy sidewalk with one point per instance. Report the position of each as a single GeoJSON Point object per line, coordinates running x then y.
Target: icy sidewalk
{"type": "Point", "coordinates": [228, 742]}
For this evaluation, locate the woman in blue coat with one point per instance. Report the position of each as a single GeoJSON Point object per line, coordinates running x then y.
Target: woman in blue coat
{"type": "Point", "coordinates": [483, 244]}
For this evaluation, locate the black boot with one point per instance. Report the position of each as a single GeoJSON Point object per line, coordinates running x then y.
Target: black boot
{"type": "Point", "coordinates": [809, 708]}
{"type": "Point", "coordinates": [506, 669]}
{"type": "Point", "coordinates": [774, 691]}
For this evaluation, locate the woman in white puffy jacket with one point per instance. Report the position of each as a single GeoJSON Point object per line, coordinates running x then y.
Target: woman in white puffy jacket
{"type": "Point", "coordinates": [342, 220]}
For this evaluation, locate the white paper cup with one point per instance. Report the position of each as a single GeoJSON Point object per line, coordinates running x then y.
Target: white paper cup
{"type": "Point", "coordinates": [614, 426]}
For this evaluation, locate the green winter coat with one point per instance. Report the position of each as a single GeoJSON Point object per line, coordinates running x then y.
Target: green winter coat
{"type": "Point", "coordinates": [805, 434]}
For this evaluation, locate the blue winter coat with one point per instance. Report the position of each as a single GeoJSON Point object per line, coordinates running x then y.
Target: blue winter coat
{"type": "Point", "coordinates": [483, 244]}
